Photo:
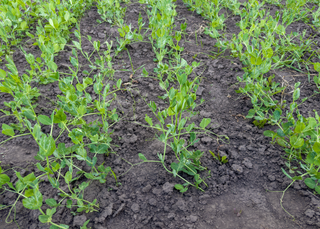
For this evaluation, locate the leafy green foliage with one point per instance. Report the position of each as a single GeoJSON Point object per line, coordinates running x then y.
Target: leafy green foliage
{"type": "Point", "coordinates": [181, 102]}
{"type": "Point", "coordinates": [111, 11]}
{"type": "Point", "coordinates": [209, 10]}
{"type": "Point", "coordinates": [74, 103]}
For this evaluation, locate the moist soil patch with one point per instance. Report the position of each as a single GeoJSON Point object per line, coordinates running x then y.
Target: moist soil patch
{"type": "Point", "coordinates": [240, 193]}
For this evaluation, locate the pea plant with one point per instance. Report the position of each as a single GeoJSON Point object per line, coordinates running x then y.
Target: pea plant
{"type": "Point", "coordinates": [161, 23]}
{"type": "Point", "coordinates": [111, 11]}
{"type": "Point", "coordinates": [295, 11]}
{"type": "Point", "coordinates": [209, 10]}
{"type": "Point", "coordinates": [57, 161]}
{"type": "Point", "coordinates": [299, 136]}
{"type": "Point", "coordinates": [274, 49]}
{"type": "Point", "coordinates": [14, 20]}
{"type": "Point", "coordinates": [175, 133]}
{"type": "Point", "coordinates": [54, 20]}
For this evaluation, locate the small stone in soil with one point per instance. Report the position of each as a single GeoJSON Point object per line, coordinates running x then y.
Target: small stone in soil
{"type": "Point", "coordinates": [271, 178]}
{"type": "Point", "coordinates": [106, 212]}
{"type": "Point", "coordinates": [193, 218]}
{"type": "Point", "coordinates": [171, 215]}
{"type": "Point", "coordinates": [181, 205]}
{"type": "Point", "coordinates": [309, 213]}
{"type": "Point", "coordinates": [247, 163]}
{"type": "Point", "coordinates": [153, 202]}
{"type": "Point", "coordinates": [167, 187]}
{"type": "Point", "coordinates": [135, 208]}
{"type": "Point", "coordinates": [101, 35]}
{"type": "Point", "coordinates": [199, 91]}
{"type": "Point", "coordinates": [147, 188]}
{"type": "Point", "coordinates": [205, 114]}
{"type": "Point", "coordinates": [237, 168]}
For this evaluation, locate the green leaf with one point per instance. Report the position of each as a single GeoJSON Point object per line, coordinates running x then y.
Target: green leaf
{"type": "Point", "coordinates": [179, 187]}
{"type": "Point", "coordinates": [29, 114]}
{"type": "Point", "coordinates": [316, 147]}
{"type": "Point", "coordinates": [224, 159]}
{"type": "Point", "coordinates": [285, 173]}
{"type": "Point", "coordinates": [67, 16]}
{"type": "Point", "coordinates": [52, 65]}
{"type": "Point", "coordinates": [96, 45]}
{"type": "Point", "coordinates": [51, 22]}
{"type": "Point", "coordinates": [44, 218]}
{"type": "Point", "coordinates": [142, 157]}
{"type": "Point", "coordinates": [4, 179]}
{"type": "Point", "coordinates": [47, 145]}
{"type": "Point", "coordinates": [7, 130]}
{"type": "Point", "coordinates": [205, 122]}
{"type": "Point", "coordinates": [50, 212]}
{"type": "Point", "coordinates": [45, 120]}
{"type": "Point", "coordinates": [182, 79]}
{"type": "Point", "coordinates": [60, 116]}
{"type": "Point", "coordinates": [101, 149]}
{"type": "Point", "coordinates": [296, 94]}
{"type": "Point", "coordinates": [276, 115]}
{"type": "Point", "coordinates": [51, 202]}
{"type": "Point", "coordinates": [69, 203]}
{"type": "Point", "coordinates": [76, 135]}
{"type": "Point", "coordinates": [281, 142]}
{"type": "Point", "coordinates": [84, 226]}
{"type": "Point", "coordinates": [28, 193]}
{"type": "Point", "coordinates": [182, 123]}
{"type": "Point", "coordinates": [54, 182]}
{"type": "Point", "coordinates": [255, 61]}
{"type": "Point", "coordinates": [316, 67]}
{"type": "Point", "coordinates": [300, 127]}
{"type": "Point", "coordinates": [148, 120]}
{"type": "Point", "coordinates": [317, 188]}
{"type": "Point", "coordinates": [3, 74]}
{"type": "Point", "coordinates": [34, 202]}
{"type": "Point", "coordinates": [310, 183]}
{"type": "Point", "coordinates": [192, 137]}
{"type": "Point", "coordinates": [119, 82]}
{"type": "Point", "coordinates": [24, 25]}
{"type": "Point", "coordinates": [87, 81]}
{"type": "Point", "coordinates": [268, 53]}
{"type": "Point", "coordinates": [68, 177]}
{"type": "Point", "coordinates": [37, 131]}
{"type": "Point", "coordinates": [77, 44]}
{"type": "Point", "coordinates": [310, 158]}
{"type": "Point", "coordinates": [296, 142]}
{"type": "Point", "coordinates": [297, 178]}
{"type": "Point", "coordinates": [81, 110]}
{"type": "Point", "coordinates": [190, 127]}
{"type": "Point", "coordinates": [269, 133]}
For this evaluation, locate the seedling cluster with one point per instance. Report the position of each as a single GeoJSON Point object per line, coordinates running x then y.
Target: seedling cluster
{"type": "Point", "coordinates": [264, 45]}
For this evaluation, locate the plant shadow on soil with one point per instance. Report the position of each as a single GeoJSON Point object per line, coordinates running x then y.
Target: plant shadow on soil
{"type": "Point", "coordinates": [236, 195]}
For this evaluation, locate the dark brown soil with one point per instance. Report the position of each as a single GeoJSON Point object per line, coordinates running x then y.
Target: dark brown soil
{"type": "Point", "coordinates": [236, 196]}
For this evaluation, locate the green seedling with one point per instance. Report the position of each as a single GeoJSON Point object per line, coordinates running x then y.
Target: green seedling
{"type": "Point", "coordinates": [222, 159]}
{"type": "Point", "coordinates": [182, 102]}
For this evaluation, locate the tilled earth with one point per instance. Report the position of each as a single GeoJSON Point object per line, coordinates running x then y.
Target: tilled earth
{"type": "Point", "coordinates": [239, 193]}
